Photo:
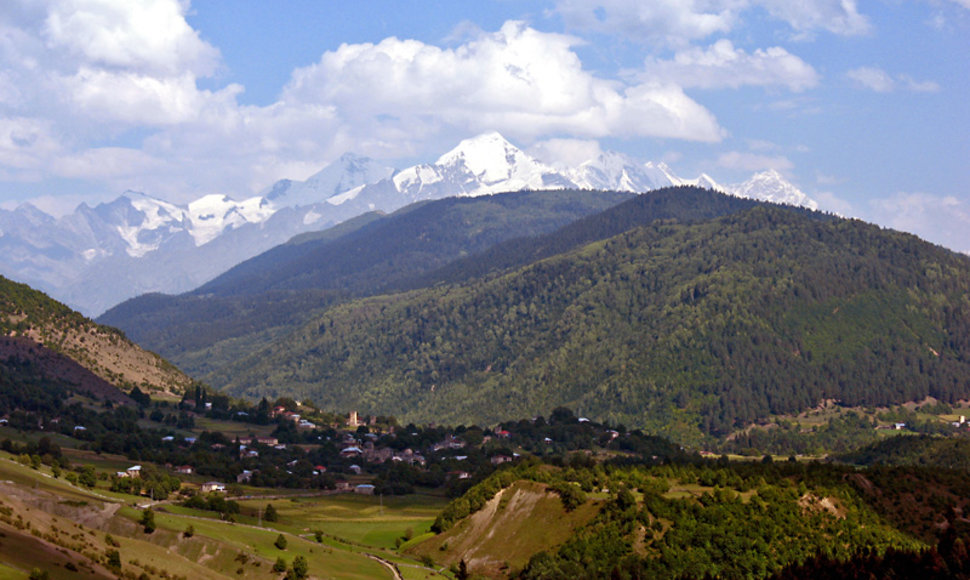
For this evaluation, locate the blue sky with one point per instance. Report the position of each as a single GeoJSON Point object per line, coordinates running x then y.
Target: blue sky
{"type": "Point", "coordinates": [864, 106]}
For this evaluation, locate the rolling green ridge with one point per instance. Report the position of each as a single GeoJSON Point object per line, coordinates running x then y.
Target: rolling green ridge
{"type": "Point", "coordinates": [680, 521]}
{"type": "Point", "coordinates": [682, 204]}
{"type": "Point", "coordinates": [945, 452]}
{"type": "Point", "coordinates": [690, 329]}
{"type": "Point", "coordinates": [418, 238]}
{"type": "Point", "coordinates": [263, 298]}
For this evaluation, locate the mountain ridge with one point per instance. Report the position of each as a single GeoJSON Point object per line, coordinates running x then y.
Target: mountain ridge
{"type": "Point", "coordinates": [96, 257]}
{"type": "Point", "coordinates": [358, 257]}
{"type": "Point", "coordinates": [690, 329]}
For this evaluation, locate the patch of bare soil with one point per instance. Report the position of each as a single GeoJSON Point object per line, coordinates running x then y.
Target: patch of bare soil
{"type": "Point", "coordinates": [110, 356]}
{"type": "Point", "coordinates": [517, 523]}
{"type": "Point", "coordinates": [43, 530]}
{"type": "Point", "coordinates": [812, 504]}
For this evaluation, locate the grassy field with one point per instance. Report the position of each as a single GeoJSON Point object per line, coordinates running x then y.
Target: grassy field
{"type": "Point", "coordinates": [23, 437]}
{"type": "Point", "coordinates": [822, 415]}
{"type": "Point", "coordinates": [369, 520]}
{"type": "Point", "coordinates": [353, 526]}
{"type": "Point", "coordinates": [242, 547]}
{"type": "Point", "coordinates": [10, 573]}
{"type": "Point", "coordinates": [232, 429]}
{"type": "Point", "coordinates": [62, 529]}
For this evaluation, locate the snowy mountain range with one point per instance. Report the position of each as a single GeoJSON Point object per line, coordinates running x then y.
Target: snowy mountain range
{"type": "Point", "coordinates": [99, 256]}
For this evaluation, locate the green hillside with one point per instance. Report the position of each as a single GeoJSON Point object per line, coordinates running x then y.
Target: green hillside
{"type": "Point", "coordinates": [677, 521]}
{"type": "Point", "coordinates": [51, 528]}
{"type": "Point", "coordinates": [44, 340]}
{"type": "Point", "coordinates": [685, 328]}
{"type": "Point", "coordinates": [947, 452]}
{"type": "Point", "coordinates": [262, 299]}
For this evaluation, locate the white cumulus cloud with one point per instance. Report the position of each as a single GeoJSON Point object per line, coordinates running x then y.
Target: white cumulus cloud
{"type": "Point", "coordinates": [753, 161]}
{"type": "Point", "coordinates": [150, 36]}
{"type": "Point", "coordinates": [668, 22]}
{"type": "Point", "coordinates": [566, 152]}
{"type": "Point", "coordinates": [519, 81]}
{"type": "Point", "coordinates": [805, 16]}
{"type": "Point", "coordinates": [721, 65]}
{"type": "Point", "coordinates": [942, 219]}
{"type": "Point", "coordinates": [80, 78]}
{"type": "Point", "coordinates": [107, 162]}
{"type": "Point", "coordinates": [680, 22]}
{"type": "Point", "coordinates": [91, 69]}
{"type": "Point", "coordinates": [876, 79]}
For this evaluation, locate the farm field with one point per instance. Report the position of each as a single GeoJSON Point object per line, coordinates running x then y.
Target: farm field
{"type": "Point", "coordinates": [361, 519]}
{"type": "Point", "coordinates": [80, 529]}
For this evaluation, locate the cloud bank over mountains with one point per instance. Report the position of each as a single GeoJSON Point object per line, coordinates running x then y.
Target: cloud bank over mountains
{"type": "Point", "coordinates": [101, 96]}
{"type": "Point", "coordinates": [85, 71]}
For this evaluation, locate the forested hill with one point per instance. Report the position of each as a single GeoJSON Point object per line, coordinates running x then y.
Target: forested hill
{"type": "Point", "coordinates": [417, 238]}
{"type": "Point", "coordinates": [271, 294]}
{"type": "Point", "coordinates": [684, 328]}
{"type": "Point", "coordinates": [428, 243]}
{"type": "Point", "coordinates": [682, 204]}
{"type": "Point", "coordinates": [44, 342]}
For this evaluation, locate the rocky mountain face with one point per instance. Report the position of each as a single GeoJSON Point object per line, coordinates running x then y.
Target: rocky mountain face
{"type": "Point", "coordinates": [98, 256]}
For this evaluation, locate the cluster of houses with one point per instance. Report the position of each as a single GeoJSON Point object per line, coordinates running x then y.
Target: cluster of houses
{"type": "Point", "coordinates": [301, 423]}
{"type": "Point", "coordinates": [357, 448]}
{"type": "Point", "coordinates": [247, 449]}
{"type": "Point", "coordinates": [362, 447]}
{"type": "Point", "coordinates": [352, 446]}
{"type": "Point", "coordinates": [367, 450]}
{"type": "Point", "coordinates": [134, 472]}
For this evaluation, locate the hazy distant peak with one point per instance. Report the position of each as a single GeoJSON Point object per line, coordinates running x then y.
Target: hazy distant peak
{"type": "Point", "coordinates": [770, 185]}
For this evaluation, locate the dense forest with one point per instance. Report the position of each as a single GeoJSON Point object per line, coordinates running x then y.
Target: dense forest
{"type": "Point", "coordinates": [256, 302]}
{"type": "Point", "coordinates": [686, 328]}
{"type": "Point", "coordinates": [948, 452]}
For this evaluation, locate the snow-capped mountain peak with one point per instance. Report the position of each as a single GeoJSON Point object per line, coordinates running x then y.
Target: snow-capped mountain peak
{"type": "Point", "coordinates": [348, 172]}
{"type": "Point", "coordinates": [140, 221]}
{"type": "Point", "coordinates": [213, 214]}
{"type": "Point", "coordinates": [98, 256]}
{"type": "Point", "coordinates": [617, 172]}
{"type": "Point", "coordinates": [661, 173]}
{"type": "Point", "coordinates": [480, 165]}
{"type": "Point", "coordinates": [706, 181]}
{"type": "Point", "coordinates": [771, 186]}
{"type": "Point", "coordinates": [490, 157]}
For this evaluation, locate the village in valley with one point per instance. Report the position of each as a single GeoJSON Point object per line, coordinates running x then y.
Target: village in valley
{"type": "Point", "coordinates": [207, 443]}
{"type": "Point", "coordinates": [249, 482]}
{"type": "Point", "coordinates": [211, 445]}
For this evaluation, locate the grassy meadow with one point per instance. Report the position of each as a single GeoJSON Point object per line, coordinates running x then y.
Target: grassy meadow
{"type": "Point", "coordinates": [72, 530]}
{"type": "Point", "coordinates": [360, 519]}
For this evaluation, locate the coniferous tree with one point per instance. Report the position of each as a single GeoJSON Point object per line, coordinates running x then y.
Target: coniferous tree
{"type": "Point", "coordinates": [270, 514]}
{"type": "Point", "coordinates": [148, 520]}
